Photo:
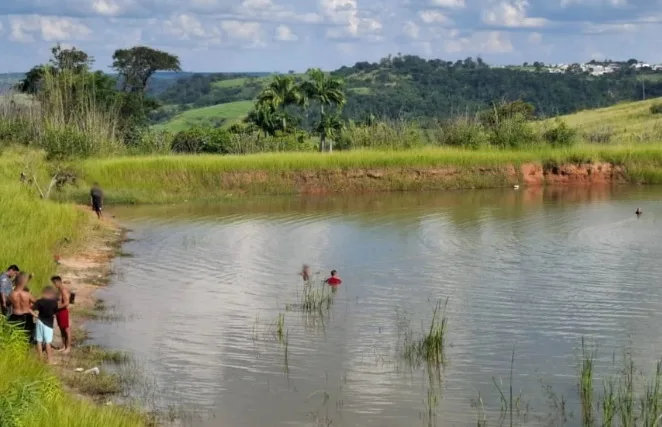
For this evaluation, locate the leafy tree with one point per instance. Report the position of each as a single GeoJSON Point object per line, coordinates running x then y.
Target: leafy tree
{"type": "Point", "coordinates": [281, 92]}
{"type": "Point", "coordinates": [70, 59]}
{"type": "Point", "coordinates": [329, 127]}
{"type": "Point", "coordinates": [32, 81]}
{"type": "Point", "coordinates": [136, 65]}
{"type": "Point", "coordinates": [326, 91]}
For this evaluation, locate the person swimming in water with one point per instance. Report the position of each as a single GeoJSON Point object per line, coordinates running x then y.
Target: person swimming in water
{"type": "Point", "coordinates": [333, 280]}
{"type": "Point", "coordinates": [305, 273]}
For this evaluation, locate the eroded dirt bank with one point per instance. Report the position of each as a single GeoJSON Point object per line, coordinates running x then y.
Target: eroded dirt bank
{"type": "Point", "coordinates": [403, 179]}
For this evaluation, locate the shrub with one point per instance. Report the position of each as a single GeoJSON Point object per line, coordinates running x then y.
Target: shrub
{"type": "Point", "coordinates": [515, 132]}
{"type": "Point", "coordinates": [560, 135]}
{"type": "Point", "coordinates": [656, 108]}
{"type": "Point", "coordinates": [61, 142]}
{"type": "Point", "coordinates": [152, 141]}
{"type": "Point", "coordinates": [464, 131]}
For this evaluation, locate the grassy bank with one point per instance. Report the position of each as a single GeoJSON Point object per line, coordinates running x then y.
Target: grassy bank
{"type": "Point", "coordinates": [156, 179]}
{"type": "Point", "coordinates": [32, 231]}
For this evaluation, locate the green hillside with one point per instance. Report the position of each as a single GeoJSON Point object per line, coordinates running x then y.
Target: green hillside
{"type": "Point", "coordinates": [414, 88]}
{"type": "Point", "coordinates": [216, 115]}
{"type": "Point", "coordinates": [625, 122]}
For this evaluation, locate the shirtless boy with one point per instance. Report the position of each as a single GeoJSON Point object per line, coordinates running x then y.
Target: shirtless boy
{"type": "Point", "coordinates": [62, 315]}
{"type": "Point", "coordinates": [21, 302]}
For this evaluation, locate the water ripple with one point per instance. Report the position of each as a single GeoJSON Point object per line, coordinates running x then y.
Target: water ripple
{"type": "Point", "coordinates": [206, 285]}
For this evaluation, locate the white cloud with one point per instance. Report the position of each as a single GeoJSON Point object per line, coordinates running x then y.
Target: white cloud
{"type": "Point", "coordinates": [535, 38]}
{"type": "Point", "coordinates": [453, 4]}
{"type": "Point", "coordinates": [512, 14]}
{"type": "Point", "coordinates": [106, 7]}
{"type": "Point", "coordinates": [349, 22]}
{"type": "Point", "coordinates": [411, 30]}
{"type": "Point", "coordinates": [250, 32]}
{"type": "Point", "coordinates": [284, 33]}
{"type": "Point", "coordinates": [479, 43]}
{"type": "Point", "coordinates": [614, 3]}
{"type": "Point", "coordinates": [590, 28]}
{"type": "Point", "coordinates": [184, 27]}
{"type": "Point", "coordinates": [434, 17]}
{"type": "Point", "coordinates": [51, 29]}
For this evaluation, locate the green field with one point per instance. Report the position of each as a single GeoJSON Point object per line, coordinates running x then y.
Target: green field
{"type": "Point", "coordinates": [231, 112]}
{"type": "Point", "coordinates": [629, 122]}
{"type": "Point", "coordinates": [240, 81]}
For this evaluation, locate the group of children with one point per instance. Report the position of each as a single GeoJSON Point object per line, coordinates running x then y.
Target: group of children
{"type": "Point", "coordinates": [36, 317]}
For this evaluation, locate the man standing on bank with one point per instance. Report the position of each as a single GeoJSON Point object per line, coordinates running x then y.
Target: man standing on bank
{"type": "Point", "coordinates": [62, 313]}
{"type": "Point", "coordinates": [6, 288]}
{"type": "Point", "coordinates": [96, 198]}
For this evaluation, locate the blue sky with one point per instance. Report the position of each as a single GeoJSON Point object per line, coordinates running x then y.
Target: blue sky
{"type": "Point", "coordinates": [282, 35]}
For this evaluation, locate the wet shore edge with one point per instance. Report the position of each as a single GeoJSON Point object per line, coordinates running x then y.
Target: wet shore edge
{"type": "Point", "coordinates": [85, 270]}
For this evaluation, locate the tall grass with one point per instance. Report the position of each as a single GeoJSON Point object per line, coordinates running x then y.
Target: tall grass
{"type": "Point", "coordinates": [64, 118]}
{"type": "Point", "coordinates": [156, 179]}
{"type": "Point", "coordinates": [32, 231]}
{"type": "Point", "coordinates": [30, 395]}
{"type": "Point", "coordinates": [430, 346]}
{"type": "Point", "coordinates": [624, 401]}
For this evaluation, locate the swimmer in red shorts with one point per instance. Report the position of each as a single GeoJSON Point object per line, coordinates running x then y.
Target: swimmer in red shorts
{"type": "Point", "coordinates": [62, 315]}
{"type": "Point", "coordinates": [334, 280]}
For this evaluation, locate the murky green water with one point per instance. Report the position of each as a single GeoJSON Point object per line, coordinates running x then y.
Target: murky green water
{"type": "Point", "coordinates": [534, 271]}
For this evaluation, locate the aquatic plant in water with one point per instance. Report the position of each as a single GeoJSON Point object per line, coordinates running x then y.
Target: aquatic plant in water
{"type": "Point", "coordinates": [429, 347]}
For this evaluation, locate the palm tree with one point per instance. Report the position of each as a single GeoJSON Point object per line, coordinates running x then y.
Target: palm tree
{"type": "Point", "coordinates": [325, 90]}
{"type": "Point", "coordinates": [263, 116]}
{"type": "Point", "coordinates": [281, 92]}
{"type": "Point", "coordinates": [330, 126]}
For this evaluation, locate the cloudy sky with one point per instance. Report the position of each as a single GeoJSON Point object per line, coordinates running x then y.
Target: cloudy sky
{"type": "Point", "coordinates": [282, 35]}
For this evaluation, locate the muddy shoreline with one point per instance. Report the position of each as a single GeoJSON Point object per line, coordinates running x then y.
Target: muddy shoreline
{"type": "Point", "coordinates": [85, 270]}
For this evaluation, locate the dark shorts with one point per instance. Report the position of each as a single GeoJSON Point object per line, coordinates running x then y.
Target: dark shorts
{"type": "Point", "coordinates": [97, 207]}
{"type": "Point", "coordinates": [23, 321]}
{"type": "Point", "coordinates": [62, 318]}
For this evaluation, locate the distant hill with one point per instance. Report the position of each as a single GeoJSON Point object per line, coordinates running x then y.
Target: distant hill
{"type": "Point", "coordinates": [414, 88]}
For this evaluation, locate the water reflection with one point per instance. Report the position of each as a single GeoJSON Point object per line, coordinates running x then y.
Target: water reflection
{"type": "Point", "coordinates": [530, 270]}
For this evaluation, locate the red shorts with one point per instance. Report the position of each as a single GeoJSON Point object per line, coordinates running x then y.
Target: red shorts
{"type": "Point", "coordinates": [62, 318]}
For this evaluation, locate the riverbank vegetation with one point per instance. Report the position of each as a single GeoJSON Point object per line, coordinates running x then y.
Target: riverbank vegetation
{"type": "Point", "coordinates": [34, 231]}
{"type": "Point", "coordinates": [70, 111]}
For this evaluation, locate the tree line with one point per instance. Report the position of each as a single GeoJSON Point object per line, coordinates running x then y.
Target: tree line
{"type": "Point", "coordinates": [77, 85]}
{"type": "Point", "coordinates": [410, 87]}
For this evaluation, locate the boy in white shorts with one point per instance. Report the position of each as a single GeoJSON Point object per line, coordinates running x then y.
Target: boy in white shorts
{"type": "Point", "coordinates": [46, 307]}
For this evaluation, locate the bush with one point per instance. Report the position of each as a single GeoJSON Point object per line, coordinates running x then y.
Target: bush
{"type": "Point", "coordinates": [514, 133]}
{"type": "Point", "coordinates": [464, 132]}
{"type": "Point", "coordinates": [560, 135]}
{"type": "Point", "coordinates": [202, 140]}
{"type": "Point", "coordinates": [152, 141]}
{"type": "Point", "coordinates": [656, 108]}
{"type": "Point", "coordinates": [61, 142]}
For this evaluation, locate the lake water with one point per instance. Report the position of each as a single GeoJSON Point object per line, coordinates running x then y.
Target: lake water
{"type": "Point", "coordinates": [531, 271]}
